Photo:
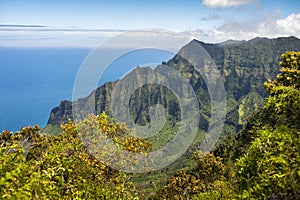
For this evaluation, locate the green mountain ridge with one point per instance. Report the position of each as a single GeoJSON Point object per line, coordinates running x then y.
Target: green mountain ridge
{"type": "Point", "coordinates": [244, 67]}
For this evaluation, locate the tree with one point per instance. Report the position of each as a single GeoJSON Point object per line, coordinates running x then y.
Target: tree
{"type": "Point", "coordinates": [270, 168]}
{"type": "Point", "coordinates": [283, 105]}
{"type": "Point", "coordinates": [200, 181]}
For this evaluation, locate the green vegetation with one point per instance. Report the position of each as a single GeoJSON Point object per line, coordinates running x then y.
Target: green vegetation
{"type": "Point", "coordinates": [264, 157]}
{"type": "Point", "coordinates": [262, 161]}
{"type": "Point", "coordinates": [33, 166]}
{"type": "Point", "coordinates": [271, 165]}
{"type": "Point", "coordinates": [270, 168]}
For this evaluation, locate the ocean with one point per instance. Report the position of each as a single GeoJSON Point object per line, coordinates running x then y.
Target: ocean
{"type": "Point", "coordinates": [35, 80]}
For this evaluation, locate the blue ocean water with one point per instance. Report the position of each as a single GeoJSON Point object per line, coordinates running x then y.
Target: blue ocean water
{"type": "Point", "coordinates": [34, 80]}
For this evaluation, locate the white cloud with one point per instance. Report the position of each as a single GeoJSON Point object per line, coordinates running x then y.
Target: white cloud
{"type": "Point", "coordinates": [227, 3]}
{"type": "Point", "coordinates": [269, 25]}
{"type": "Point", "coordinates": [290, 24]}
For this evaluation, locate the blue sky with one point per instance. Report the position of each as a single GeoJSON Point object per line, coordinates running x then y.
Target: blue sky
{"type": "Point", "coordinates": [86, 23]}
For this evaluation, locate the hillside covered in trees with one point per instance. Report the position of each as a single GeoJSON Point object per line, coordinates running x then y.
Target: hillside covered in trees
{"type": "Point", "coordinates": [262, 161]}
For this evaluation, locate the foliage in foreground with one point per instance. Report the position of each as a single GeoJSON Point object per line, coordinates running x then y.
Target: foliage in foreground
{"type": "Point", "coordinates": [33, 166]}
{"type": "Point", "coordinates": [205, 180]}
{"type": "Point", "coordinates": [271, 165]}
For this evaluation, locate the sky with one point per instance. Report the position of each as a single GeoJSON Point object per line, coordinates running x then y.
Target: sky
{"type": "Point", "coordinates": [79, 23]}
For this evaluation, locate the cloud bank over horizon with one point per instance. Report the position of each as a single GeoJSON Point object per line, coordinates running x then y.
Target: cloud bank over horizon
{"type": "Point", "coordinates": [270, 26]}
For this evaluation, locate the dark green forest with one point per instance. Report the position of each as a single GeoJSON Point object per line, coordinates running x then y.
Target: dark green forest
{"type": "Point", "coordinates": [261, 161]}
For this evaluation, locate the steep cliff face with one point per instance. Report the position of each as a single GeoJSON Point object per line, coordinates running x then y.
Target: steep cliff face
{"type": "Point", "coordinates": [244, 67]}
{"type": "Point", "coordinates": [61, 113]}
